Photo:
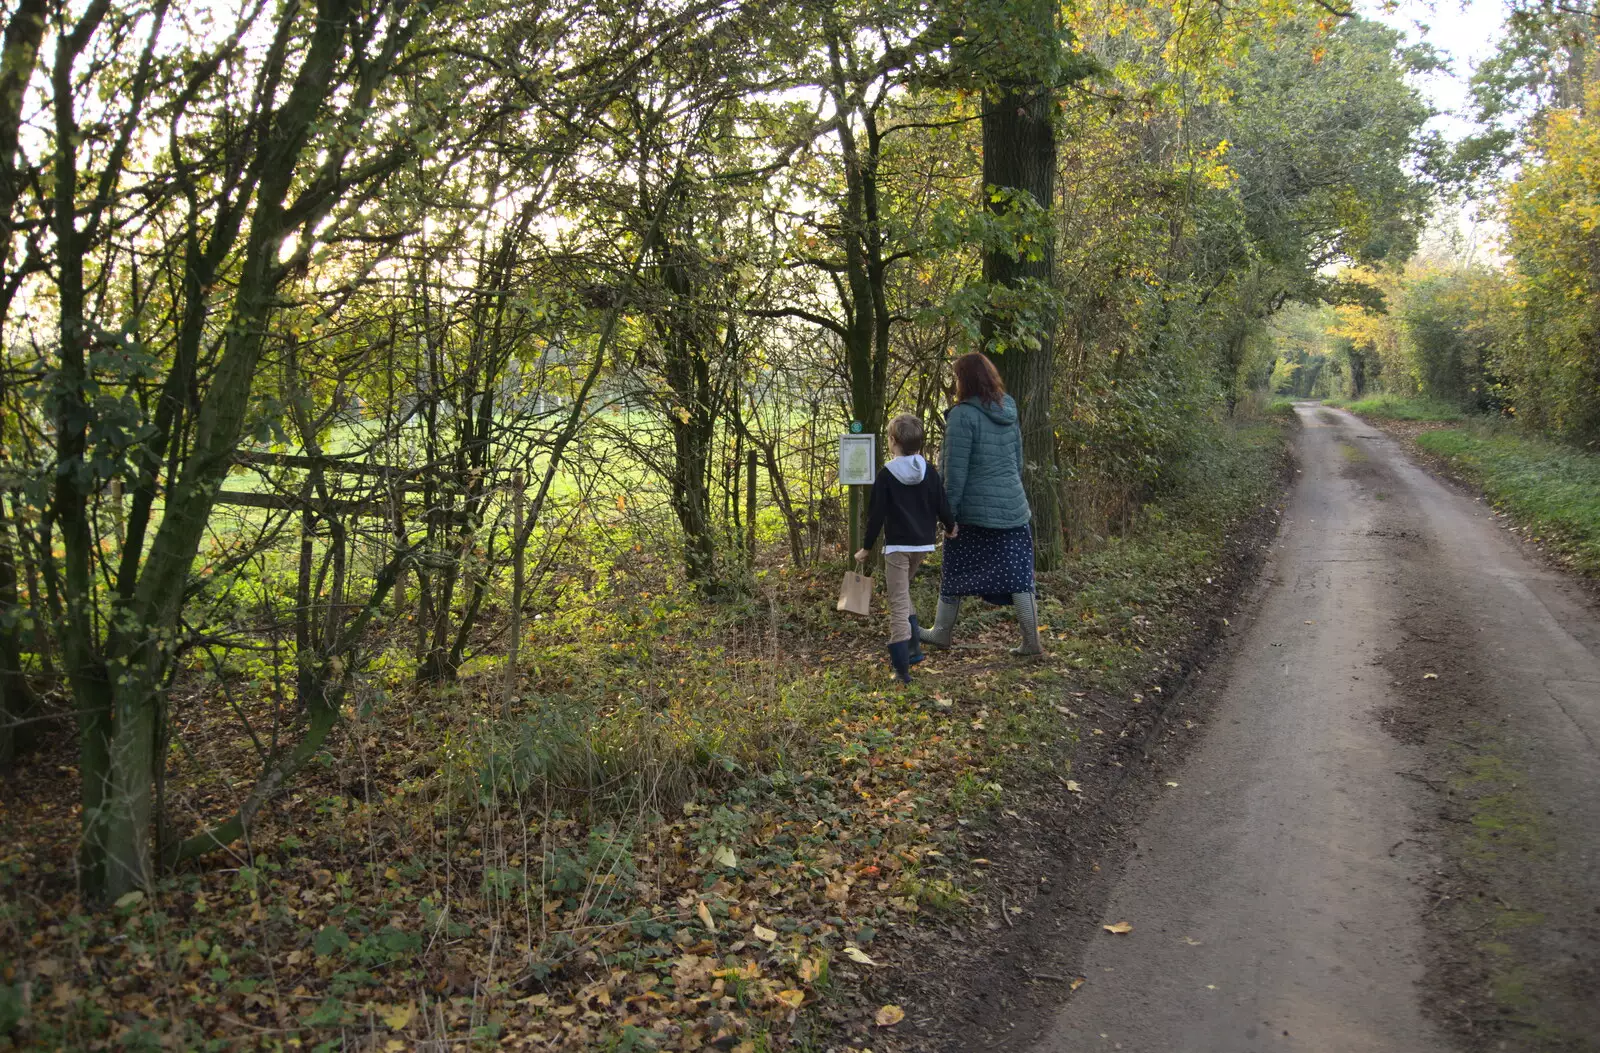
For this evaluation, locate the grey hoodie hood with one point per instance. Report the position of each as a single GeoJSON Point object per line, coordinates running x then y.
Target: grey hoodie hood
{"type": "Point", "coordinates": [1005, 413]}
{"type": "Point", "coordinates": [910, 469]}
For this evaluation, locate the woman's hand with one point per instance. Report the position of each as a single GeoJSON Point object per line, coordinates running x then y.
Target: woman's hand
{"type": "Point", "coordinates": [861, 557]}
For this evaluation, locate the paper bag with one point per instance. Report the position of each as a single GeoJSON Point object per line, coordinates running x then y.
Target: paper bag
{"type": "Point", "coordinates": [855, 593]}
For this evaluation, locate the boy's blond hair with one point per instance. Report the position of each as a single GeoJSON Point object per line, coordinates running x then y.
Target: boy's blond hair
{"type": "Point", "coordinates": [905, 431]}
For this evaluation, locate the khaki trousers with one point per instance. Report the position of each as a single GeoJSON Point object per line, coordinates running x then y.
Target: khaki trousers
{"type": "Point", "coordinates": [898, 570]}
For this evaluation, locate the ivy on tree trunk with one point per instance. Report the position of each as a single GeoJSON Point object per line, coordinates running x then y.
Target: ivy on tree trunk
{"type": "Point", "coordinates": [1019, 157]}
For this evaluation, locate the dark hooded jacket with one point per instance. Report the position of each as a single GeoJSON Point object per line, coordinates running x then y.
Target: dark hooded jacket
{"type": "Point", "coordinates": [907, 504]}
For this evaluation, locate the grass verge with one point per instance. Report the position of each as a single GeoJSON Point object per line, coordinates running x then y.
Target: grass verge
{"type": "Point", "coordinates": [1394, 407]}
{"type": "Point", "coordinates": [1551, 490]}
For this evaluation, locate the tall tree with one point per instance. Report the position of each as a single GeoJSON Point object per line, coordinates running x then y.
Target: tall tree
{"type": "Point", "coordinates": [19, 61]}
{"type": "Point", "coordinates": [249, 170]}
{"type": "Point", "coordinates": [1023, 70]}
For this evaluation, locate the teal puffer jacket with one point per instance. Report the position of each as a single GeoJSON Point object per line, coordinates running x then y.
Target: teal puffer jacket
{"type": "Point", "coordinates": [982, 464]}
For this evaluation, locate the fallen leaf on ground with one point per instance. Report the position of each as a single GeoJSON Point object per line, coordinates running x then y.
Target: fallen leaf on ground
{"type": "Point", "coordinates": [761, 932]}
{"type": "Point", "coordinates": [791, 998]}
{"type": "Point", "coordinates": [705, 916]}
{"type": "Point", "coordinates": [396, 1017]}
{"type": "Point", "coordinates": [1077, 982]}
{"type": "Point", "coordinates": [724, 857]}
{"type": "Point", "coordinates": [1119, 927]}
{"type": "Point", "coordinates": [1191, 941]}
{"type": "Point", "coordinates": [856, 954]}
{"type": "Point", "coordinates": [1430, 676]}
{"type": "Point", "coordinates": [1073, 787]}
{"type": "Point", "coordinates": [889, 1016]}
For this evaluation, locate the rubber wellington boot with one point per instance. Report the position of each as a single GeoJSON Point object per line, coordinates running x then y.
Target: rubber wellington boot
{"type": "Point", "coordinates": [900, 658]}
{"type": "Point", "coordinates": [915, 642]}
{"type": "Point", "coordinates": [944, 620]}
{"type": "Point", "coordinates": [1028, 618]}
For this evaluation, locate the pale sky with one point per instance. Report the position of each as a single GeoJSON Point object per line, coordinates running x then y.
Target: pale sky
{"type": "Point", "coordinates": [1464, 31]}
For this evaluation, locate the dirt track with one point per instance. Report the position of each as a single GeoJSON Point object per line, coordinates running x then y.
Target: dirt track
{"type": "Point", "coordinates": [1389, 838]}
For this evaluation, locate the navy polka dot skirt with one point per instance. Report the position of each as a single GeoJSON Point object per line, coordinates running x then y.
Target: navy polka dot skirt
{"type": "Point", "coordinates": [981, 561]}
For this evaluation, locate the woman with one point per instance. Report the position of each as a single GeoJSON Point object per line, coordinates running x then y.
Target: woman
{"type": "Point", "coordinates": [991, 554]}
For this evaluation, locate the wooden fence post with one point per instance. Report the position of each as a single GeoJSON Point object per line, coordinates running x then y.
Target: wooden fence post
{"type": "Point", "coordinates": [855, 526]}
{"type": "Point", "coordinates": [397, 526]}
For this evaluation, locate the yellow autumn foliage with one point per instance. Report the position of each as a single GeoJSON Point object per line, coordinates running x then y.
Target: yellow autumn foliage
{"type": "Point", "coordinates": [1551, 213]}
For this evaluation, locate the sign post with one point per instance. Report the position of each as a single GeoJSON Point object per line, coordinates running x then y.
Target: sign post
{"type": "Point", "coordinates": [858, 462]}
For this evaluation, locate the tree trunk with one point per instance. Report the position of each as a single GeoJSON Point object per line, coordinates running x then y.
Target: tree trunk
{"type": "Point", "coordinates": [691, 497]}
{"type": "Point", "coordinates": [129, 789]}
{"type": "Point", "coordinates": [693, 423]}
{"type": "Point", "coordinates": [750, 512]}
{"type": "Point", "coordinates": [1019, 154]}
{"type": "Point", "coordinates": [686, 348]}
{"type": "Point", "coordinates": [19, 59]}
{"type": "Point", "coordinates": [86, 671]}
{"type": "Point", "coordinates": [16, 695]}
{"type": "Point", "coordinates": [519, 548]}
{"type": "Point", "coordinates": [129, 671]}
{"type": "Point", "coordinates": [866, 330]}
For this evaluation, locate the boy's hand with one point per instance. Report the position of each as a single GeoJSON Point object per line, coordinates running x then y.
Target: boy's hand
{"type": "Point", "coordinates": [953, 531]}
{"type": "Point", "coordinates": [861, 557]}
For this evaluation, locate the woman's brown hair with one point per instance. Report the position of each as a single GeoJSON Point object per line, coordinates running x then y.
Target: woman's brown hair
{"type": "Point", "coordinates": [977, 378]}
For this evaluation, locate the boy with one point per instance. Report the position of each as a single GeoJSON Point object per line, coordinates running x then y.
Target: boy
{"type": "Point", "coordinates": [908, 503]}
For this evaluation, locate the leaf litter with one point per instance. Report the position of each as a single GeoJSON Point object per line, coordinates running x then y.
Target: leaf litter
{"type": "Point", "coordinates": [431, 903]}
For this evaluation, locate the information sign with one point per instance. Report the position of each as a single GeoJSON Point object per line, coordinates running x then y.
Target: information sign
{"type": "Point", "coordinates": [857, 459]}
